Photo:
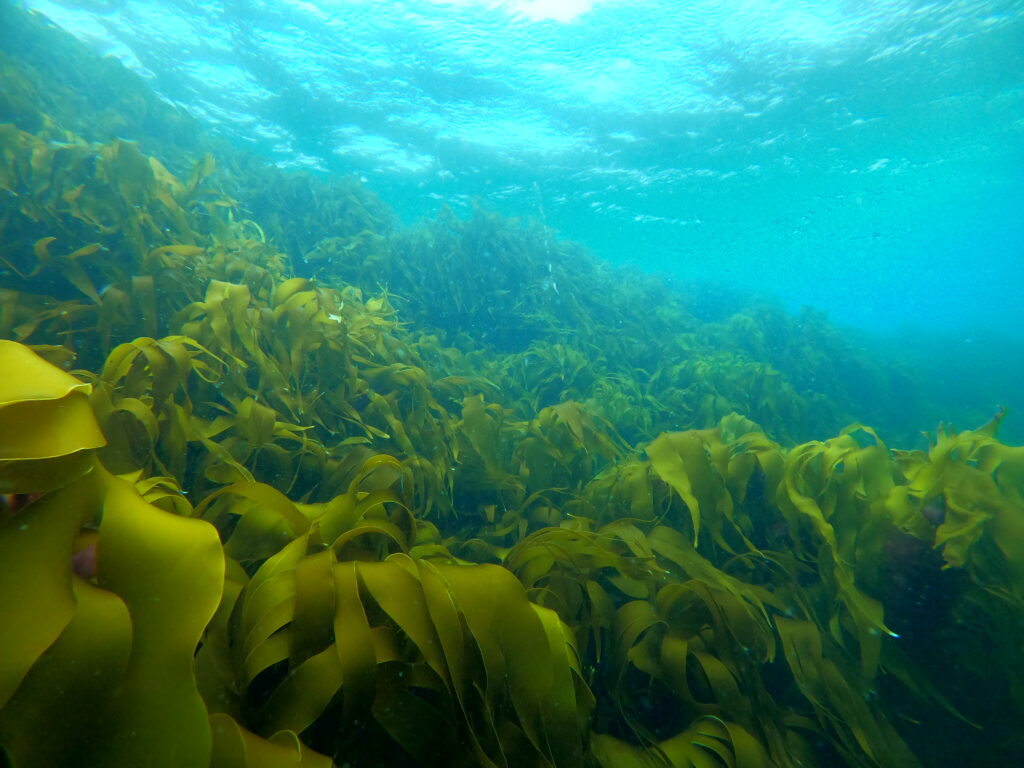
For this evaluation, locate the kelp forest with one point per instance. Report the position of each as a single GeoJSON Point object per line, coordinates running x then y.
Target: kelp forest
{"type": "Point", "coordinates": [288, 483]}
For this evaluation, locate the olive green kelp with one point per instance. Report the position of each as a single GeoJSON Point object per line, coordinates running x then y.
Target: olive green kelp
{"type": "Point", "coordinates": [346, 629]}
{"type": "Point", "coordinates": [125, 589]}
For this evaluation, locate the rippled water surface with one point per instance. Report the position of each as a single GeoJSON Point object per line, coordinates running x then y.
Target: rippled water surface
{"type": "Point", "coordinates": [863, 156]}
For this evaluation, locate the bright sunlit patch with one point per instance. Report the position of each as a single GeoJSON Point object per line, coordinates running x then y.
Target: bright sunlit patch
{"type": "Point", "coordinates": [807, 26]}
{"type": "Point", "coordinates": [383, 152]}
{"type": "Point", "coordinates": [553, 10]}
{"type": "Point", "coordinates": [533, 10]}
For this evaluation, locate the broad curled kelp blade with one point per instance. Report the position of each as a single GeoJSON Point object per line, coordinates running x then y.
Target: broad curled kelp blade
{"type": "Point", "coordinates": [169, 570]}
{"type": "Point", "coordinates": [79, 677]}
{"type": "Point", "coordinates": [36, 597]}
{"type": "Point", "coordinates": [46, 423]}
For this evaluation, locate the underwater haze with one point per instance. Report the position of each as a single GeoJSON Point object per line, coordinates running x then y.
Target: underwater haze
{"type": "Point", "coordinates": [865, 157]}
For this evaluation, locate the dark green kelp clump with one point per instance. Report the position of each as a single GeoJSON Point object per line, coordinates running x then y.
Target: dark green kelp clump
{"type": "Point", "coordinates": [354, 496]}
{"type": "Point", "coordinates": [544, 321]}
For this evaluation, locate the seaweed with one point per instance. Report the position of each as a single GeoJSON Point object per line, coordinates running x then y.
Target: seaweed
{"type": "Point", "coordinates": [358, 510]}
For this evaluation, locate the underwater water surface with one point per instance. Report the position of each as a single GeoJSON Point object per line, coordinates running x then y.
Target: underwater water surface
{"type": "Point", "coordinates": [863, 157]}
{"type": "Point", "coordinates": [594, 383]}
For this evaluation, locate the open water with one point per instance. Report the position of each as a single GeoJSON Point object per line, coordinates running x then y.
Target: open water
{"type": "Point", "coordinates": [865, 157]}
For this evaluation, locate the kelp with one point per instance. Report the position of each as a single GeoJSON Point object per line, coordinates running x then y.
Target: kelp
{"type": "Point", "coordinates": [824, 368]}
{"type": "Point", "coordinates": [158, 242]}
{"type": "Point", "coordinates": [506, 643]}
{"type": "Point", "coordinates": [108, 643]}
{"type": "Point", "coordinates": [313, 219]}
{"type": "Point", "coordinates": [365, 631]}
{"type": "Point", "coordinates": [830, 505]}
{"type": "Point", "coordinates": [370, 661]}
{"type": "Point", "coordinates": [283, 424]}
{"type": "Point", "coordinates": [560, 326]}
{"type": "Point", "coordinates": [352, 511]}
{"type": "Point", "coordinates": [153, 242]}
{"type": "Point", "coordinates": [47, 72]}
{"type": "Point", "coordinates": [708, 743]}
{"type": "Point", "coordinates": [701, 624]}
{"type": "Point", "coordinates": [174, 254]}
{"type": "Point", "coordinates": [46, 422]}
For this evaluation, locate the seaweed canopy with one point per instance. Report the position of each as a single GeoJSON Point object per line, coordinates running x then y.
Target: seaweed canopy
{"type": "Point", "coordinates": [361, 639]}
{"type": "Point", "coordinates": [718, 614]}
{"type": "Point", "coordinates": [359, 633]}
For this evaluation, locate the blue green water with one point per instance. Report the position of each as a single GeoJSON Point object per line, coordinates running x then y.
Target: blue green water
{"type": "Point", "coordinates": [863, 157]}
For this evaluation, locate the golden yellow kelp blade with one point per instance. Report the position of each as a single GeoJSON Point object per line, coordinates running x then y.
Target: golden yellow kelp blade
{"type": "Point", "coordinates": [36, 599]}
{"type": "Point", "coordinates": [112, 655]}
{"type": "Point", "coordinates": [450, 664]}
{"type": "Point", "coordinates": [852, 724]}
{"type": "Point", "coordinates": [169, 571]}
{"type": "Point", "coordinates": [119, 671]}
{"type": "Point", "coordinates": [45, 420]}
{"type": "Point", "coordinates": [76, 678]}
{"type": "Point", "coordinates": [46, 431]}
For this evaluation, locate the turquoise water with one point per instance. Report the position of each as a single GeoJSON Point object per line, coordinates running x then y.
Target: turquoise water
{"type": "Point", "coordinates": [866, 158]}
